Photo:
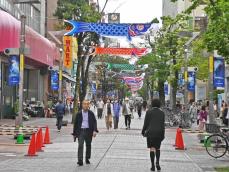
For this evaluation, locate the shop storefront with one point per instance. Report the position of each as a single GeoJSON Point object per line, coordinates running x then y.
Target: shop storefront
{"type": "Point", "coordinates": [42, 55]}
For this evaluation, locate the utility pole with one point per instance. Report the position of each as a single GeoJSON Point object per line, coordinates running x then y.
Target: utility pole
{"type": "Point", "coordinates": [60, 74]}
{"type": "Point", "coordinates": [210, 87]}
{"type": "Point", "coordinates": [186, 79]}
{"type": "Point", "coordinates": [21, 83]}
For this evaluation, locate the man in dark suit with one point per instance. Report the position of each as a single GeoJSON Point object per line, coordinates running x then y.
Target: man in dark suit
{"type": "Point", "coordinates": [85, 127]}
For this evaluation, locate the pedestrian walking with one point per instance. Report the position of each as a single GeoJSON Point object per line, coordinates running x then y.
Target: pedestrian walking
{"type": "Point", "coordinates": [202, 116]}
{"type": "Point", "coordinates": [154, 131]}
{"type": "Point", "coordinates": [108, 113]}
{"type": "Point", "coordinates": [224, 117]}
{"type": "Point", "coordinates": [100, 106]}
{"type": "Point", "coordinates": [126, 111]}
{"type": "Point", "coordinates": [116, 114]}
{"type": "Point", "coordinates": [85, 127]}
{"type": "Point", "coordinates": [144, 105]}
{"type": "Point", "coordinates": [60, 111]}
{"type": "Point", "coordinates": [139, 109]}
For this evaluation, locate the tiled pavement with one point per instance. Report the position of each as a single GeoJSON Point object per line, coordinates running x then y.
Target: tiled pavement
{"type": "Point", "coordinates": [112, 151]}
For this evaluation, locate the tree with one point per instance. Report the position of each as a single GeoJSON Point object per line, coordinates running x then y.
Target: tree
{"type": "Point", "coordinates": [82, 11]}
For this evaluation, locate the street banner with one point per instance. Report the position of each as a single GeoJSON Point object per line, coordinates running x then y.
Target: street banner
{"type": "Point", "coordinates": [180, 79]}
{"type": "Point", "coordinates": [93, 88]}
{"type": "Point", "coordinates": [121, 66]}
{"type": "Point", "coordinates": [122, 51]}
{"type": "Point", "coordinates": [219, 72]}
{"type": "Point", "coordinates": [54, 80]}
{"type": "Point", "coordinates": [191, 81]}
{"type": "Point", "coordinates": [211, 64]}
{"type": "Point", "coordinates": [14, 73]}
{"type": "Point", "coordinates": [166, 88]}
{"type": "Point", "coordinates": [68, 44]}
{"type": "Point", "coordinates": [109, 29]}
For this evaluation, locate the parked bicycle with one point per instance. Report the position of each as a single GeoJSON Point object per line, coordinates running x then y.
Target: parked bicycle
{"type": "Point", "coordinates": [217, 144]}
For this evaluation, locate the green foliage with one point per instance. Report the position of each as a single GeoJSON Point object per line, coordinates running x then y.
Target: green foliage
{"type": "Point", "coordinates": [216, 36]}
{"type": "Point", "coordinates": [77, 9]}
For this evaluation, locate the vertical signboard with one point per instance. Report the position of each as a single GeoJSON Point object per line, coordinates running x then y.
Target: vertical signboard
{"type": "Point", "coordinates": [191, 81]}
{"type": "Point", "coordinates": [13, 72]}
{"type": "Point", "coordinates": [54, 80]}
{"type": "Point", "coordinates": [166, 88]}
{"type": "Point", "coordinates": [67, 42]}
{"type": "Point", "coordinates": [219, 72]}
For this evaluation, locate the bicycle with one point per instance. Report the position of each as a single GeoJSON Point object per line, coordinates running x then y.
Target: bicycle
{"type": "Point", "coordinates": [217, 145]}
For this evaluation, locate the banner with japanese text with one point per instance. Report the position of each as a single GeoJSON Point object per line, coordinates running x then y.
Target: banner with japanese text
{"type": "Point", "coordinates": [68, 45]}
{"type": "Point", "coordinates": [54, 80]}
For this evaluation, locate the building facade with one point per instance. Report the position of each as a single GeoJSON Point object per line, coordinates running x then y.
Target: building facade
{"type": "Point", "coordinates": [42, 53]}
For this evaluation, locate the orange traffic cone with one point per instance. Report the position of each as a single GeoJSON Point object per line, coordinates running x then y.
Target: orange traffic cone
{"type": "Point", "coordinates": [32, 146]}
{"type": "Point", "coordinates": [179, 140]}
{"type": "Point", "coordinates": [176, 138]}
{"type": "Point", "coordinates": [39, 141]}
{"type": "Point", "coordinates": [47, 136]}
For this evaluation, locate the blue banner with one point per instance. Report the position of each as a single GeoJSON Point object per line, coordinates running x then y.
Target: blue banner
{"type": "Point", "coordinates": [219, 72]}
{"type": "Point", "coordinates": [191, 81]}
{"type": "Point", "coordinates": [93, 88]}
{"type": "Point", "coordinates": [109, 29]}
{"type": "Point", "coordinates": [14, 72]}
{"type": "Point", "coordinates": [166, 88]}
{"type": "Point", "coordinates": [54, 80]}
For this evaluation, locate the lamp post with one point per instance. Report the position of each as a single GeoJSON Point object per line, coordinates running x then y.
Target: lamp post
{"type": "Point", "coordinates": [60, 74]}
{"type": "Point", "coordinates": [21, 83]}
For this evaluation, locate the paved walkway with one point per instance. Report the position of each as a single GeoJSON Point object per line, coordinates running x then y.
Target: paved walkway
{"type": "Point", "coordinates": [114, 151]}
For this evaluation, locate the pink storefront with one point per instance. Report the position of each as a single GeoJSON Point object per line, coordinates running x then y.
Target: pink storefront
{"type": "Point", "coordinates": [42, 55]}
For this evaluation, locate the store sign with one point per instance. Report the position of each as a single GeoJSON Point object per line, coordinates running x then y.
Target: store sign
{"type": "Point", "coordinates": [14, 73]}
{"type": "Point", "coordinates": [54, 80]}
{"type": "Point", "coordinates": [67, 40]}
{"type": "Point", "coordinates": [219, 72]}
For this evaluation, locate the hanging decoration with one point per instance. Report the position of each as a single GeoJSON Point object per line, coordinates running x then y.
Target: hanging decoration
{"type": "Point", "coordinates": [219, 72]}
{"type": "Point", "coordinates": [109, 29]}
{"type": "Point", "coordinates": [13, 76]}
{"type": "Point", "coordinates": [54, 80]}
{"type": "Point", "coordinates": [191, 81]}
{"type": "Point", "coordinates": [120, 66]}
{"type": "Point", "coordinates": [122, 51]}
{"type": "Point", "coordinates": [68, 44]}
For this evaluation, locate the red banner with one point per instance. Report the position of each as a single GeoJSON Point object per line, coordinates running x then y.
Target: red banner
{"type": "Point", "coordinates": [122, 51]}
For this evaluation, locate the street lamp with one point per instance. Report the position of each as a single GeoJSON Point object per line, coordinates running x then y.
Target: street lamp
{"type": "Point", "coordinates": [60, 74]}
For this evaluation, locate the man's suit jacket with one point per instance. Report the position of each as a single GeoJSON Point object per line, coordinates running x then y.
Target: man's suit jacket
{"type": "Point", "coordinates": [78, 123]}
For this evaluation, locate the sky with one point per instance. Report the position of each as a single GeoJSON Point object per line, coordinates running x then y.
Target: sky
{"type": "Point", "coordinates": [134, 11]}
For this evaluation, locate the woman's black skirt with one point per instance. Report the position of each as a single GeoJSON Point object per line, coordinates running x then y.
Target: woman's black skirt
{"type": "Point", "coordinates": [153, 142]}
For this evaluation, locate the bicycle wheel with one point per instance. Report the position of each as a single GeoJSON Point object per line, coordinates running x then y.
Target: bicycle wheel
{"type": "Point", "coordinates": [217, 146]}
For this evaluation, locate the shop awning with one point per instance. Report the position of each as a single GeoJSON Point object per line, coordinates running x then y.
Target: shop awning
{"type": "Point", "coordinates": [68, 78]}
{"type": "Point", "coordinates": [41, 49]}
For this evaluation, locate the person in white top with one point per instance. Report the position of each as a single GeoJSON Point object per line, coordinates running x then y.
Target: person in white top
{"type": "Point", "coordinates": [126, 111]}
{"type": "Point", "coordinates": [108, 112]}
{"type": "Point", "coordinates": [100, 106]}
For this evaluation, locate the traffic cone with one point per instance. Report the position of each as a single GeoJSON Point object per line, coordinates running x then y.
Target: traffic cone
{"type": "Point", "coordinates": [207, 143]}
{"type": "Point", "coordinates": [176, 138]}
{"type": "Point", "coordinates": [39, 141]}
{"type": "Point", "coordinates": [20, 139]}
{"type": "Point", "coordinates": [42, 138]}
{"type": "Point", "coordinates": [180, 142]}
{"type": "Point", "coordinates": [47, 136]}
{"type": "Point", "coordinates": [32, 146]}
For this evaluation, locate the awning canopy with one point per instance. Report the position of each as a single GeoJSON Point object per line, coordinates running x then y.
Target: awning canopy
{"type": "Point", "coordinates": [41, 49]}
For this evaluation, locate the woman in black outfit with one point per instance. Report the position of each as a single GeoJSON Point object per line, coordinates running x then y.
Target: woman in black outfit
{"type": "Point", "coordinates": [154, 131]}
